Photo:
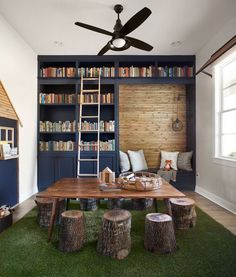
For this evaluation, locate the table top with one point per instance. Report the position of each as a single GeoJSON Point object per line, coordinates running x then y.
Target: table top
{"type": "Point", "coordinates": [89, 188]}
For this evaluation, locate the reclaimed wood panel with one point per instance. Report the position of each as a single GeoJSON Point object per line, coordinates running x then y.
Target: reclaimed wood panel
{"type": "Point", "coordinates": [146, 113]}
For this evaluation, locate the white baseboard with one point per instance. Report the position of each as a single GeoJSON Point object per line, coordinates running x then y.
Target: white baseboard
{"type": "Point", "coordinates": [216, 199]}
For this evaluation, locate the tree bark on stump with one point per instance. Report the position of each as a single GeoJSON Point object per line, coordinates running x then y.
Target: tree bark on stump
{"type": "Point", "coordinates": [72, 231]}
{"type": "Point", "coordinates": [44, 206]}
{"type": "Point", "coordinates": [88, 204]}
{"type": "Point", "coordinates": [142, 204]}
{"type": "Point", "coordinates": [183, 212]}
{"type": "Point", "coordinates": [159, 233]}
{"type": "Point", "coordinates": [114, 240]}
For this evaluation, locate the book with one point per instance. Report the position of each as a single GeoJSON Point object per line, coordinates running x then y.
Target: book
{"type": "Point", "coordinates": [5, 150]}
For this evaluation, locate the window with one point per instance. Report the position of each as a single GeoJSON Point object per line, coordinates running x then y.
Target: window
{"type": "Point", "coordinates": [225, 108]}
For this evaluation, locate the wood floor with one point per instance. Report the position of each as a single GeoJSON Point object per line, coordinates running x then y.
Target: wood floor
{"type": "Point", "coordinates": [220, 214]}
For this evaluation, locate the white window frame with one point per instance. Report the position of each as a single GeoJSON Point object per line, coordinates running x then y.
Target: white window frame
{"type": "Point", "coordinates": [218, 111]}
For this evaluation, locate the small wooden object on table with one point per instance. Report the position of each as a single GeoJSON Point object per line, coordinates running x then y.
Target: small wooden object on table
{"type": "Point", "coordinates": [159, 233]}
{"type": "Point", "coordinates": [183, 212]}
{"type": "Point", "coordinates": [71, 231]}
{"type": "Point", "coordinates": [107, 175]}
{"type": "Point", "coordinates": [114, 240]}
{"type": "Point", "coordinates": [44, 206]}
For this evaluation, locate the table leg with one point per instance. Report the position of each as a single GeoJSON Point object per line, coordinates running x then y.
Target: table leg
{"type": "Point", "coordinates": [67, 203]}
{"type": "Point", "coordinates": [168, 207]}
{"type": "Point", "coordinates": [52, 219]}
{"type": "Point", "coordinates": [155, 204]}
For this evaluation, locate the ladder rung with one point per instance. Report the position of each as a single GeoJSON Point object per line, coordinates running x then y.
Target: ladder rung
{"type": "Point", "coordinates": [89, 116]}
{"type": "Point", "coordinates": [87, 131]}
{"type": "Point", "coordinates": [88, 174]}
{"type": "Point", "coordinates": [90, 90]}
{"type": "Point", "coordinates": [83, 144]}
{"type": "Point", "coordinates": [88, 103]}
{"type": "Point", "coordinates": [87, 160]}
{"type": "Point", "coordinates": [90, 78]}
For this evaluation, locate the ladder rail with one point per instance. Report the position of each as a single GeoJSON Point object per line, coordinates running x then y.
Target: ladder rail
{"type": "Point", "coordinates": [98, 138]}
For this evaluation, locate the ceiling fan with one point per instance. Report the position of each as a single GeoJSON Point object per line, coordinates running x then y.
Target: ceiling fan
{"type": "Point", "coordinates": [120, 41]}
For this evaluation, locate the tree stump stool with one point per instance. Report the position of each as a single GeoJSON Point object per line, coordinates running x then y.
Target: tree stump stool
{"type": "Point", "coordinates": [142, 204]}
{"type": "Point", "coordinates": [114, 240]}
{"type": "Point", "coordinates": [44, 206]}
{"type": "Point", "coordinates": [88, 204]}
{"type": "Point", "coordinates": [72, 231]}
{"type": "Point", "coordinates": [114, 203]}
{"type": "Point", "coordinates": [159, 233]}
{"type": "Point", "coordinates": [183, 212]}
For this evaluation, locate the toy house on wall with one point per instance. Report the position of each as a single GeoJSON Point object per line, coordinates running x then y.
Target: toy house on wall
{"type": "Point", "coordinates": [9, 121]}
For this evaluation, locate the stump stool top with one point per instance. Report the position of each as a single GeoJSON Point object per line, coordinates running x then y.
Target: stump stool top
{"type": "Point", "coordinates": [158, 217]}
{"type": "Point", "coordinates": [72, 214]}
{"type": "Point", "coordinates": [182, 201]}
{"type": "Point", "coordinates": [117, 215]}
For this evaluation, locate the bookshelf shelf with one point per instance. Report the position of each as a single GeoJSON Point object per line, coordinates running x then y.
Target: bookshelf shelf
{"type": "Point", "coordinates": [116, 70]}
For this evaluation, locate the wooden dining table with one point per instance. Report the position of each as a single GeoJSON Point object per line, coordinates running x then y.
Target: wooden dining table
{"type": "Point", "coordinates": [90, 188]}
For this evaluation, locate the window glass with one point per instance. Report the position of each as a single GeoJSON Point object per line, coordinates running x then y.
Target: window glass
{"type": "Point", "coordinates": [229, 98]}
{"type": "Point", "coordinates": [229, 122]}
{"type": "Point", "coordinates": [229, 146]}
{"type": "Point", "coordinates": [229, 74]}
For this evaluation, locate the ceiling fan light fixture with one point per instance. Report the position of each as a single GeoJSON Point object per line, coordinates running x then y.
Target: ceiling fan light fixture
{"type": "Point", "coordinates": [118, 42]}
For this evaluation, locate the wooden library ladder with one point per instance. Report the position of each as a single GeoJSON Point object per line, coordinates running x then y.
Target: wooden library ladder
{"type": "Point", "coordinates": [82, 116]}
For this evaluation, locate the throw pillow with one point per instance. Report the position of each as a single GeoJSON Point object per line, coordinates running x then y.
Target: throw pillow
{"type": "Point", "coordinates": [137, 160]}
{"type": "Point", "coordinates": [169, 156]}
{"type": "Point", "coordinates": [124, 162]}
{"type": "Point", "coordinates": [184, 160]}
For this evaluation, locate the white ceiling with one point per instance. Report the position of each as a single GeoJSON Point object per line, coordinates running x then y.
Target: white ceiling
{"type": "Point", "coordinates": [42, 22]}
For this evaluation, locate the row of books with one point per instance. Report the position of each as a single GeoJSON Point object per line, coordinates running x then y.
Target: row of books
{"type": "Point", "coordinates": [57, 72]}
{"type": "Point", "coordinates": [67, 126]}
{"type": "Point", "coordinates": [176, 71]}
{"type": "Point", "coordinates": [48, 126]}
{"type": "Point", "coordinates": [53, 98]}
{"type": "Point", "coordinates": [134, 71]}
{"type": "Point", "coordinates": [94, 71]}
{"type": "Point", "coordinates": [57, 145]}
{"type": "Point", "coordinates": [70, 145]}
{"type": "Point", "coordinates": [92, 145]}
{"type": "Point", "coordinates": [105, 126]}
{"type": "Point", "coordinates": [107, 98]}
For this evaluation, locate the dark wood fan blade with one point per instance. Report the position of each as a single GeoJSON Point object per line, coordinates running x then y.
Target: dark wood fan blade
{"type": "Point", "coordinates": [135, 21]}
{"type": "Point", "coordinates": [93, 28]}
{"type": "Point", "coordinates": [104, 49]}
{"type": "Point", "coordinates": [140, 44]}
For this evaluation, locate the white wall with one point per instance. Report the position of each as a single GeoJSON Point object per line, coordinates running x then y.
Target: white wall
{"type": "Point", "coordinates": [216, 182]}
{"type": "Point", "coordinates": [18, 71]}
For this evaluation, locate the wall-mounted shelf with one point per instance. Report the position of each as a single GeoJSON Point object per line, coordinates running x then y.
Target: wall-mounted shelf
{"type": "Point", "coordinates": [9, 158]}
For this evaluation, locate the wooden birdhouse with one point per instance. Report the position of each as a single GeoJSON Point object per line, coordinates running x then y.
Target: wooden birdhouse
{"type": "Point", "coordinates": [107, 175]}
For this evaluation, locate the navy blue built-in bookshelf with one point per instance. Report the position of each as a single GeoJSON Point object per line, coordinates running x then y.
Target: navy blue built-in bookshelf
{"type": "Point", "coordinates": [59, 87]}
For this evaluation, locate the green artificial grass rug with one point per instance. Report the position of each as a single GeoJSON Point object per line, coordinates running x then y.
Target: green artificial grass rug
{"type": "Point", "coordinates": [206, 250]}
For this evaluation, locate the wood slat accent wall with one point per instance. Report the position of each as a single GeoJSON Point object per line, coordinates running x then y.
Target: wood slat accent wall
{"type": "Point", "coordinates": [6, 109]}
{"type": "Point", "coordinates": [146, 113]}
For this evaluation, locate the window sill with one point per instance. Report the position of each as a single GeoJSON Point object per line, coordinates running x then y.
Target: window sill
{"type": "Point", "coordinates": [224, 161]}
